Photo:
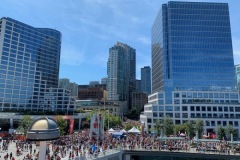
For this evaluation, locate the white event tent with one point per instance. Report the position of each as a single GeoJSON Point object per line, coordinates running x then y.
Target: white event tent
{"type": "Point", "coordinates": [134, 130]}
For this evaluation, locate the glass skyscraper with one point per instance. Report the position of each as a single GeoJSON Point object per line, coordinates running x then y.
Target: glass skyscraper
{"type": "Point", "coordinates": [193, 74]}
{"type": "Point", "coordinates": [192, 47]}
{"type": "Point", "coordinates": [29, 63]}
{"type": "Point", "coordinates": [146, 79]}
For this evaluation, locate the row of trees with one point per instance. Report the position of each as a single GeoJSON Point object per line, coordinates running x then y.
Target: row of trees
{"type": "Point", "coordinates": [190, 128]}
{"type": "Point", "coordinates": [109, 119]}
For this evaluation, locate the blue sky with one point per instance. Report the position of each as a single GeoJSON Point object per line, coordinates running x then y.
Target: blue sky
{"type": "Point", "coordinates": [90, 27]}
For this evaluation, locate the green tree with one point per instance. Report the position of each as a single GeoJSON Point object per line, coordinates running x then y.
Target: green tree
{"type": "Point", "coordinates": [62, 123]}
{"type": "Point", "coordinates": [190, 129]}
{"type": "Point", "coordinates": [199, 124]}
{"type": "Point", "coordinates": [133, 114]}
{"type": "Point", "coordinates": [182, 128]}
{"type": "Point", "coordinates": [230, 130]}
{"type": "Point", "coordinates": [24, 124]}
{"type": "Point", "coordinates": [168, 126]}
{"type": "Point", "coordinates": [128, 127]}
{"type": "Point", "coordinates": [220, 132]}
{"type": "Point", "coordinates": [108, 118]}
{"type": "Point", "coordinates": [158, 126]}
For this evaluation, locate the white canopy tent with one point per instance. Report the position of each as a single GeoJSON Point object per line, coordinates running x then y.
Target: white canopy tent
{"type": "Point", "coordinates": [111, 130]}
{"type": "Point", "coordinates": [123, 130]}
{"type": "Point", "coordinates": [134, 130]}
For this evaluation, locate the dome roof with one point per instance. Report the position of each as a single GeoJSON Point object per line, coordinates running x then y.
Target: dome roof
{"type": "Point", "coordinates": [43, 129]}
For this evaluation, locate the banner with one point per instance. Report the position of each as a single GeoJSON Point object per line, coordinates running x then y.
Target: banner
{"type": "Point", "coordinates": [96, 128]}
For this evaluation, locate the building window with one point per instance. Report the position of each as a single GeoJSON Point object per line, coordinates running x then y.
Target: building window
{"type": "Point", "coordinates": [177, 108]}
{"type": "Point", "coordinates": [155, 114]}
{"type": "Point", "coordinates": [184, 115]}
{"type": "Point", "coordinates": [184, 108]}
{"type": "Point", "coordinates": [226, 116]}
{"type": "Point", "coordinates": [212, 123]}
{"type": "Point", "coordinates": [177, 115]}
{"type": "Point", "coordinates": [176, 95]}
{"type": "Point", "coordinates": [203, 108]}
{"type": "Point", "coordinates": [169, 115]}
{"type": "Point", "coordinates": [161, 108]}
{"type": "Point", "coordinates": [209, 108]}
{"type": "Point", "coordinates": [177, 121]}
{"type": "Point", "coordinates": [220, 109]}
{"type": "Point", "coordinates": [204, 115]}
{"type": "Point", "coordinates": [168, 108]}
{"type": "Point", "coordinates": [161, 115]}
{"type": "Point", "coordinates": [198, 108]}
{"type": "Point", "coordinates": [192, 115]}
{"type": "Point", "coordinates": [237, 109]}
{"type": "Point", "coordinates": [209, 115]}
{"type": "Point", "coordinates": [149, 120]}
{"type": "Point", "coordinates": [214, 109]}
{"type": "Point", "coordinates": [236, 123]}
{"type": "Point", "coordinates": [207, 123]}
{"type": "Point", "coordinates": [224, 123]}
{"type": "Point", "coordinates": [192, 108]}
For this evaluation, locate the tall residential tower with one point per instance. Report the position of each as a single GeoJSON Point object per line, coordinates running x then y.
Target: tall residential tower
{"type": "Point", "coordinates": [121, 70]}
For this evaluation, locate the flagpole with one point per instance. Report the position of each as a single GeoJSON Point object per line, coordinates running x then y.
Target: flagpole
{"type": "Point", "coordinates": [98, 128]}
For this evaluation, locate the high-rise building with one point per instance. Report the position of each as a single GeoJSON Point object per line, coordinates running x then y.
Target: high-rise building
{"type": "Point", "coordinates": [29, 60]}
{"type": "Point", "coordinates": [138, 85]}
{"type": "Point", "coordinates": [93, 83]}
{"type": "Point", "coordinates": [146, 79]}
{"type": "Point", "coordinates": [121, 70]}
{"type": "Point", "coordinates": [71, 86]}
{"type": "Point", "coordinates": [192, 66]}
{"type": "Point", "coordinates": [104, 81]}
{"type": "Point", "coordinates": [237, 69]}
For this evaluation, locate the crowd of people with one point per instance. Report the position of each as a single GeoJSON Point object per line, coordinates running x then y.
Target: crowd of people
{"type": "Point", "coordinates": [84, 147]}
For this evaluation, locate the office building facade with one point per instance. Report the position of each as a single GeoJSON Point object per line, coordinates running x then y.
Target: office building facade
{"type": "Point", "coordinates": [193, 72]}
{"type": "Point", "coordinates": [121, 70]}
{"type": "Point", "coordinates": [29, 60]}
{"type": "Point", "coordinates": [71, 86]}
{"type": "Point", "coordinates": [146, 79]}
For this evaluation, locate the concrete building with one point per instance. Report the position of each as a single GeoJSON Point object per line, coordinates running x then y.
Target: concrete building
{"type": "Point", "coordinates": [93, 83]}
{"type": "Point", "coordinates": [114, 108]}
{"type": "Point", "coordinates": [193, 72]}
{"type": "Point", "coordinates": [138, 100]}
{"type": "Point", "coordinates": [138, 85]}
{"type": "Point", "coordinates": [71, 86]}
{"type": "Point", "coordinates": [146, 79]}
{"type": "Point", "coordinates": [104, 81]}
{"type": "Point", "coordinates": [121, 70]}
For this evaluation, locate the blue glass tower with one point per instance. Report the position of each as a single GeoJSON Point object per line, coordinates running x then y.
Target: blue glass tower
{"type": "Point", "coordinates": [146, 79]}
{"type": "Point", "coordinates": [29, 60]}
{"type": "Point", "coordinates": [192, 48]}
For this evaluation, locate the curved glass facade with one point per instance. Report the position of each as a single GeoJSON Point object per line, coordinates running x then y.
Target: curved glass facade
{"type": "Point", "coordinates": [192, 48]}
{"type": "Point", "coordinates": [29, 60]}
